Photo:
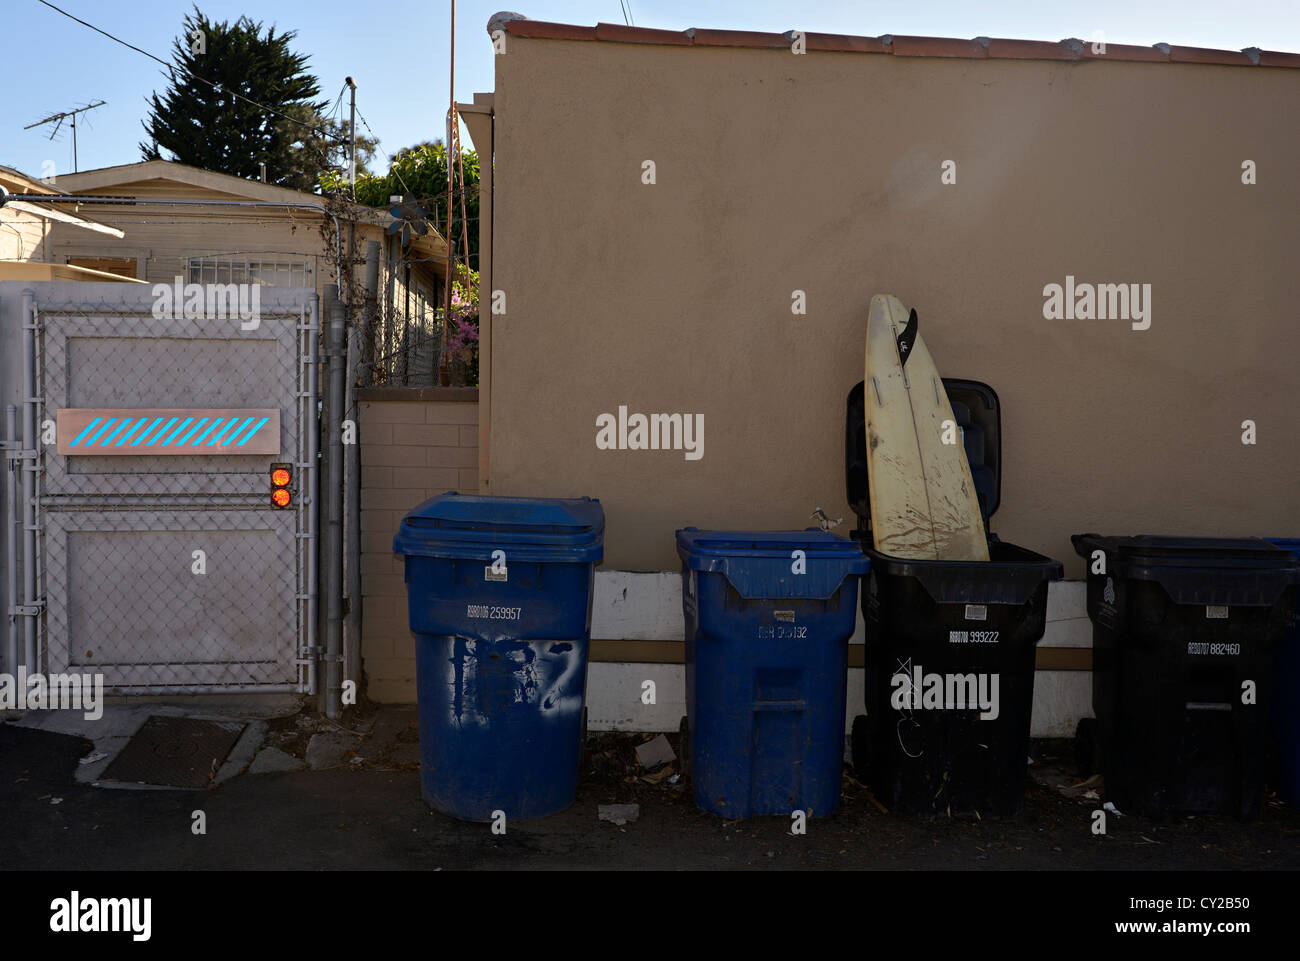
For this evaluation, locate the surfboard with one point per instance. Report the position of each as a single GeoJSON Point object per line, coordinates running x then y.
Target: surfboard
{"type": "Point", "coordinates": [923, 500]}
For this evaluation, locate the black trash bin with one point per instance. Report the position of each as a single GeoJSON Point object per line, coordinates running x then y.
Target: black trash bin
{"type": "Point", "coordinates": [1184, 633]}
{"type": "Point", "coordinates": [971, 626]}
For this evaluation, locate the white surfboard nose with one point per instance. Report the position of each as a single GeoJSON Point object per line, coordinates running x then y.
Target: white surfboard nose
{"type": "Point", "coordinates": [923, 500]}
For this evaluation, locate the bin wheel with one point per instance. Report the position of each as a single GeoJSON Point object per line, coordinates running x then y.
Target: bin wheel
{"type": "Point", "coordinates": [582, 744]}
{"type": "Point", "coordinates": [685, 748]}
{"type": "Point", "coordinates": [1087, 747]}
{"type": "Point", "coordinates": [859, 748]}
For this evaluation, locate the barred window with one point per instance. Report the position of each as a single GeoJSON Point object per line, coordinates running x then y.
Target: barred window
{"type": "Point", "coordinates": [220, 270]}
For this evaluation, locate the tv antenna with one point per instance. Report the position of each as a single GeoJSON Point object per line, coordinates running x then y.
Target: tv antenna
{"type": "Point", "coordinates": [58, 118]}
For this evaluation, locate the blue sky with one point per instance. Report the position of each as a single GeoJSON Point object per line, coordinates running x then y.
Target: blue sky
{"type": "Point", "coordinates": [397, 51]}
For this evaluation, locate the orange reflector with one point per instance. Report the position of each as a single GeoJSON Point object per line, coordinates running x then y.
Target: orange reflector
{"type": "Point", "coordinates": [280, 477]}
{"type": "Point", "coordinates": [280, 497]}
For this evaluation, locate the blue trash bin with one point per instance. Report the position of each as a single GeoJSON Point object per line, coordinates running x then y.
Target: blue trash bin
{"type": "Point", "coordinates": [499, 597]}
{"type": "Point", "coordinates": [766, 667]}
{"type": "Point", "coordinates": [1286, 700]}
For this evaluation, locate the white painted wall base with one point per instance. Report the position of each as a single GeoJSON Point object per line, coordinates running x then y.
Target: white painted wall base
{"type": "Point", "coordinates": [614, 697]}
{"type": "Point", "coordinates": [1060, 699]}
{"type": "Point", "coordinates": [632, 606]}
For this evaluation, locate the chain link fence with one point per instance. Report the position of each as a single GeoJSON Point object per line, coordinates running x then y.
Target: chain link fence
{"type": "Point", "coordinates": [173, 573]}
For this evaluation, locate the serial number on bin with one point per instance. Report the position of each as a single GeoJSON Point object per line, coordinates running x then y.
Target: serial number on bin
{"type": "Point", "coordinates": [784, 631]}
{"type": "Point", "coordinates": [1205, 647]}
{"type": "Point", "coordinates": [490, 612]}
{"type": "Point", "coordinates": [973, 637]}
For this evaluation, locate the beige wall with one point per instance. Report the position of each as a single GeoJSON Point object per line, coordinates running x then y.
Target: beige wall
{"type": "Point", "coordinates": [821, 173]}
{"type": "Point", "coordinates": [411, 450]}
{"type": "Point", "coordinates": [21, 235]}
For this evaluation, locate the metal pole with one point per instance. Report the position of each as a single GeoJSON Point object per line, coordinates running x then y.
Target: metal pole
{"type": "Point", "coordinates": [451, 120]}
{"type": "Point", "coordinates": [334, 486]}
{"type": "Point", "coordinates": [357, 334]}
{"type": "Point", "coordinates": [29, 480]}
{"type": "Point", "coordinates": [11, 538]}
{"type": "Point", "coordinates": [349, 290]}
{"type": "Point", "coordinates": [311, 488]}
{"type": "Point", "coordinates": [352, 520]}
{"type": "Point", "coordinates": [352, 130]}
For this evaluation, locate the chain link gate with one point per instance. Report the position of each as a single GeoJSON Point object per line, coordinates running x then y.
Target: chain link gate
{"type": "Point", "coordinates": [161, 562]}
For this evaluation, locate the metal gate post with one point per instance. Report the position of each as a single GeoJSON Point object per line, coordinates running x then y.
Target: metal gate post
{"type": "Point", "coordinates": [12, 447]}
{"type": "Point", "coordinates": [28, 454]}
{"type": "Point", "coordinates": [357, 332]}
{"type": "Point", "coordinates": [311, 483]}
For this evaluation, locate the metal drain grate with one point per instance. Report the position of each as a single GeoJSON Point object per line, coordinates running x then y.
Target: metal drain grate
{"type": "Point", "coordinates": [175, 752]}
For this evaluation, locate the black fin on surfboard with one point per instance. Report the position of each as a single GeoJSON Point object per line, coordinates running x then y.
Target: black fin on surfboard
{"type": "Point", "coordinates": [907, 339]}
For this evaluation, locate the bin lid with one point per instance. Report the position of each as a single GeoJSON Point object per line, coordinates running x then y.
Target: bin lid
{"type": "Point", "coordinates": [978, 412]}
{"type": "Point", "coordinates": [760, 564]}
{"type": "Point", "coordinates": [472, 526]}
{"type": "Point", "coordinates": [1237, 571]}
{"type": "Point", "coordinates": [1136, 553]}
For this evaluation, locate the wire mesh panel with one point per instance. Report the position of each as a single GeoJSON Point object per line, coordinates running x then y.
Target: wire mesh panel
{"type": "Point", "coordinates": [198, 600]}
{"type": "Point", "coordinates": [132, 361]}
{"type": "Point", "coordinates": [170, 571]}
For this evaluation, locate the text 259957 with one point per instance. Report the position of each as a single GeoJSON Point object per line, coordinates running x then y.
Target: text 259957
{"type": "Point", "coordinates": [490, 612]}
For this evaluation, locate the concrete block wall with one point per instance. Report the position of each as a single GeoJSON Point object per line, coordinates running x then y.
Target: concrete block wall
{"type": "Point", "coordinates": [415, 443]}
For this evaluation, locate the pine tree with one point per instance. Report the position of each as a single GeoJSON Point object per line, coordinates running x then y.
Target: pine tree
{"type": "Point", "coordinates": [201, 123]}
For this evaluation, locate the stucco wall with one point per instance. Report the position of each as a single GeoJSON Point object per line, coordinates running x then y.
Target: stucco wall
{"type": "Point", "coordinates": [821, 173]}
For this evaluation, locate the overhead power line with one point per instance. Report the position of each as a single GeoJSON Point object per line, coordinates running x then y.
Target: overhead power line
{"type": "Point", "coordinates": [406, 191]}
{"type": "Point", "coordinates": [239, 96]}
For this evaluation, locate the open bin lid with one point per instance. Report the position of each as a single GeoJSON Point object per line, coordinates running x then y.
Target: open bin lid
{"type": "Point", "coordinates": [978, 413]}
{"type": "Point", "coordinates": [759, 564]}
{"type": "Point", "coordinates": [1199, 570]}
{"type": "Point", "coordinates": [472, 526]}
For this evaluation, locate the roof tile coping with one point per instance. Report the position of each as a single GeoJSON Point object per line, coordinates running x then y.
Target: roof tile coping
{"type": "Point", "coordinates": [978, 48]}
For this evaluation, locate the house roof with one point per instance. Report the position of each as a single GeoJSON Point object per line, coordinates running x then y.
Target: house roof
{"type": "Point", "coordinates": [86, 181]}
{"type": "Point", "coordinates": [103, 179]}
{"type": "Point", "coordinates": [17, 184]}
{"type": "Point", "coordinates": [978, 48]}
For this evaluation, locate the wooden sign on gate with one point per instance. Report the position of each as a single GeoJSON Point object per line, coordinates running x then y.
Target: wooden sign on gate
{"type": "Point", "coordinates": [152, 431]}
